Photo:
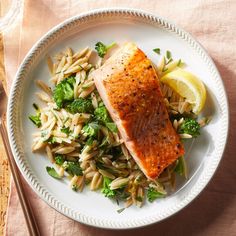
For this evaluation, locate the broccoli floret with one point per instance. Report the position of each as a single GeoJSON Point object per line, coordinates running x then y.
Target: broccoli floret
{"type": "Point", "coordinates": [102, 115]}
{"type": "Point", "coordinates": [80, 105]}
{"type": "Point", "coordinates": [153, 194]}
{"type": "Point", "coordinates": [91, 129]}
{"type": "Point", "coordinates": [102, 49]}
{"type": "Point", "coordinates": [190, 126]}
{"type": "Point", "coordinates": [64, 92]}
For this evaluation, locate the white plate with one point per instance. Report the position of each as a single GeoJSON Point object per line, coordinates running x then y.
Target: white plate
{"type": "Point", "coordinates": [149, 32]}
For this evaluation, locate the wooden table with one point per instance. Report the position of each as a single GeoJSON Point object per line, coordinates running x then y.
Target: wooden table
{"type": "Point", "coordinates": [4, 167]}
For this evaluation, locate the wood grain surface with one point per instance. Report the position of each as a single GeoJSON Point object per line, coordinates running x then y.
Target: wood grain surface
{"type": "Point", "coordinates": [5, 173]}
{"type": "Point", "coordinates": [4, 167]}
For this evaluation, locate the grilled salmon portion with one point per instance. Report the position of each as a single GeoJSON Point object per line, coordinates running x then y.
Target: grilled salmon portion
{"type": "Point", "coordinates": [130, 90]}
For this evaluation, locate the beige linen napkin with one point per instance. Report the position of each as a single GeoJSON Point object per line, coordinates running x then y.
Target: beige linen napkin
{"type": "Point", "coordinates": [213, 23]}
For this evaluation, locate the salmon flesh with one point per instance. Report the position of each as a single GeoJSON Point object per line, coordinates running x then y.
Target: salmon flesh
{"type": "Point", "coordinates": [130, 89]}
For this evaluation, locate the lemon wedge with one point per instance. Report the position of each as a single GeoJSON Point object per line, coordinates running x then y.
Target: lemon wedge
{"type": "Point", "coordinates": [188, 86]}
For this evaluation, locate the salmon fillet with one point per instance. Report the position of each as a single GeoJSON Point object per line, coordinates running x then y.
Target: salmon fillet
{"type": "Point", "coordinates": [130, 90]}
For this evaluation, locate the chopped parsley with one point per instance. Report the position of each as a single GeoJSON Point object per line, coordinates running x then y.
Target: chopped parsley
{"type": "Point", "coordinates": [106, 188]}
{"type": "Point", "coordinates": [73, 168]}
{"type": "Point", "coordinates": [112, 127]}
{"type": "Point", "coordinates": [179, 63]}
{"type": "Point", "coordinates": [36, 107]}
{"type": "Point", "coordinates": [157, 50]}
{"type": "Point", "coordinates": [168, 54]}
{"type": "Point", "coordinates": [181, 167]}
{"type": "Point", "coordinates": [52, 172]}
{"type": "Point", "coordinates": [36, 119]}
{"type": "Point", "coordinates": [153, 194]}
{"type": "Point", "coordinates": [59, 159]}
{"type": "Point", "coordinates": [121, 210]}
{"type": "Point", "coordinates": [65, 130]}
{"type": "Point", "coordinates": [51, 140]}
{"type": "Point", "coordinates": [74, 187]}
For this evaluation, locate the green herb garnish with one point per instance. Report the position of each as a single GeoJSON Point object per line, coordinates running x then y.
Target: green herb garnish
{"type": "Point", "coordinates": [65, 130]}
{"type": "Point", "coordinates": [112, 127]}
{"type": "Point", "coordinates": [164, 69]}
{"type": "Point", "coordinates": [153, 194]}
{"type": "Point", "coordinates": [36, 120]}
{"type": "Point", "coordinates": [179, 62]}
{"type": "Point", "coordinates": [157, 50]}
{"type": "Point", "coordinates": [74, 187]}
{"type": "Point", "coordinates": [89, 141]}
{"type": "Point", "coordinates": [59, 159]}
{"type": "Point", "coordinates": [105, 142]}
{"type": "Point", "coordinates": [73, 168]}
{"type": "Point", "coordinates": [36, 107]}
{"type": "Point", "coordinates": [121, 194]}
{"type": "Point", "coordinates": [51, 140]}
{"type": "Point", "coordinates": [51, 171]}
{"type": "Point", "coordinates": [181, 167]}
{"type": "Point", "coordinates": [120, 210]}
{"type": "Point", "coordinates": [168, 55]}
{"type": "Point", "coordinates": [106, 188]}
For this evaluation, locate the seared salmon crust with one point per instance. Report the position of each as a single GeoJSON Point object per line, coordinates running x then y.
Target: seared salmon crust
{"type": "Point", "coordinates": [130, 89]}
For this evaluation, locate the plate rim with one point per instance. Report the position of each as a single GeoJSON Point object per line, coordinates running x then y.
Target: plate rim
{"type": "Point", "coordinates": [42, 192]}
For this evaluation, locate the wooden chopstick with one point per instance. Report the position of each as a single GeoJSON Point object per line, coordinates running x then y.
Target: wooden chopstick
{"type": "Point", "coordinates": [25, 204]}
